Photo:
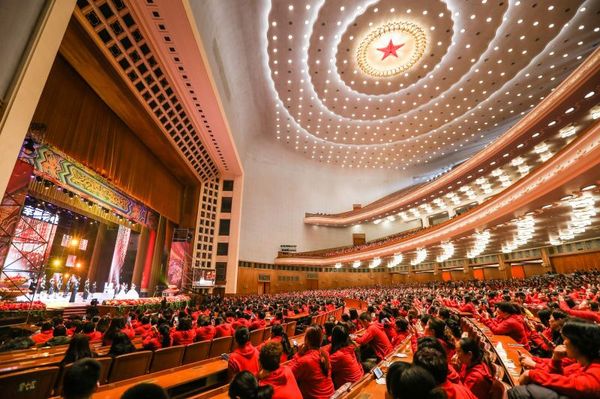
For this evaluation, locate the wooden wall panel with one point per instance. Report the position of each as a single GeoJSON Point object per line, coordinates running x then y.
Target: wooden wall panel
{"type": "Point", "coordinates": [493, 273]}
{"type": "Point", "coordinates": [573, 262]}
{"type": "Point", "coordinates": [534, 270]}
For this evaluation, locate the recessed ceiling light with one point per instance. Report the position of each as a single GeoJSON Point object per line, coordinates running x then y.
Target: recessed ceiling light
{"type": "Point", "coordinates": [588, 188]}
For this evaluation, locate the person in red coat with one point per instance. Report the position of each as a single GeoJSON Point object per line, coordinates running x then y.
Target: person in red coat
{"type": "Point", "coordinates": [345, 365]}
{"type": "Point", "coordinates": [474, 374]}
{"type": "Point", "coordinates": [578, 381]}
{"type": "Point", "coordinates": [44, 335]}
{"type": "Point", "coordinates": [89, 330]}
{"type": "Point", "coordinates": [592, 314]}
{"type": "Point", "coordinates": [158, 338]}
{"type": "Point", "coordinates": [185, 334]}
{"type": "Point", "coordinates": [374, 337]}
{"type": "Point", "coordinates": [401, 331]}
{"type": "Point", "coordinates": [312, 368]}
{"type": "Point", "coordinates": [508, 322]}
{"type": "Point", "coordinates": [258, 323]}
{"type": "Point", "coordinates": [143, 327]}
{"type": "Point", "coordinates": [271, 373]}
{"type": "Point", "coordinates": [244, 356]}
{"type": "Point", "coordinates": [222, 329]}
{"type": "Point", "coordinates": [435, 362]}
{"type": "Point", "coordinates": [205, 331]}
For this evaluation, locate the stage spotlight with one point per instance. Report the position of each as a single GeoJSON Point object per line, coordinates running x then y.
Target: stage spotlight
{"type": "Point", "coordinates": [74, 242]}
{"type": "Point", "coordinates": [47, 185]}
{"type": "Point", "coordinates": [29, 146]}
{"type": "Point", "coordinates": [56, 262]}
{"type": "Point", "coordinates": [39, 179]}
{"type": "Point", "coordinates": [78, 265]}
{"type": "Point", "coordinates": [71, 194]}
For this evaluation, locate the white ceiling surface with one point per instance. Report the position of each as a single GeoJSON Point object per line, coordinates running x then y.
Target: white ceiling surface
{"type": "Point", "coordinates": [285, 177]}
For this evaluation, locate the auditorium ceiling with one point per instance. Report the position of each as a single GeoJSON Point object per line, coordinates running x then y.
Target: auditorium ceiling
{"type": "Point", "coordinates": [392, 84]}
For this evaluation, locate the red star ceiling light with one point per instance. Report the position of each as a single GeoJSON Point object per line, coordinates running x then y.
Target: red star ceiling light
{"type": "Point", "coordinates": [390, 49]}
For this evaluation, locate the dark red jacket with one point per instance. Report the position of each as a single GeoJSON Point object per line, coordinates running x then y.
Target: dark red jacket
{"type": "Point", "coordinates": [312, 382]}
{"type": "Point", "coordinates": [183, 337]}
{"type": "Point", "coordinates": [283, 382]}
{"type": "Point", "coordinates": [223, 330]}
{"type": "Point", "coordinates": [244, 358]}
{"type": "Point", "coordinates": [478, 379]}
{"type": "Point", "coordinates": [584, 314]}
{"type": "Point", "coordinates": [205, 333]}
{"type": "Point", "coordinates": [511, 326]}
{"type": "Point", "coordinates": [94, 336]}
{"type": "Point", "coordinates": [457, 391]}
{"type": "Point", "coordinates": [345, 366]}
{"type": "Point", "coordinates": [257, 324]}
{"type": "Point", "coordinates": [573, 381]}
{"type": "Point", "coordinates": [42, 337]}
{"type": "Point", "coordinates": [376, 338]}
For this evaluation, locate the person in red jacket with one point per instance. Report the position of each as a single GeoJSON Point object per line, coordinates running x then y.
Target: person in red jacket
{"type": "Point", "coordinates": [401, 331]}
{"type": "Point", "coordinates": [244, 356]}
{"type": "Point", "coordinates": [374, 337]}
{"type": "Point", "coordinates": [185, 334]}
{"type": "Point", "coordinates": [508, 322]}
{"type": "Point", "coordinates": [578, 381]}
{"type": "Point", "coordinates": [345, 364]}
{"type": "Point", "coordinates": [258, 323]}
{"type": "Point", "coordinates": [143, 327]}
{"type": "Point", "coordinates": [312, 368]}
{"type": "Point", "coordinates": [205, 331]}
{"type": "Point", "coordinates": [158, 338]}
{"type": "Point", "coordinates": [592, 314]}
{"type": "Point", "coordinates": [44, 335]}
{"type": "Point", "coordinates": [89, 330]}
{"type": "Point", "coordinates": [278, 335]}
{"type": "Point", "coordinates": [222, 329]}
{"type": "Point", "coordinates": [474, 373]}
{"type": "Point", "coordinates": [271, 373]}
{"type": "Point", "coordinates": [435, 362]}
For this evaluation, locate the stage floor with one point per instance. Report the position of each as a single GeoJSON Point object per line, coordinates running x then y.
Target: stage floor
{"type": "Point", "coordinates": [60, 302]}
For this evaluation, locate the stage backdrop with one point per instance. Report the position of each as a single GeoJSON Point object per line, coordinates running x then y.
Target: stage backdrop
{"type": "Point", "coordinates": [119, 256]}
{"type": "Point", "coordinates": [177, 258]}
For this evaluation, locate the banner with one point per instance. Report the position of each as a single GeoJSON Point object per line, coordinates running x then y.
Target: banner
{"type": "Point", "coordinates": [119, 256]}
{"type": "Point", "coordinates": [177, 258]}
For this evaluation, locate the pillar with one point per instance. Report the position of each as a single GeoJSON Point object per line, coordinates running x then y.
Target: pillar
{"type": "Point", "coordinates": [157, 255]}
{"type": "Point", "coordinates": [140, 258]}
{"type": "Point", "coordinates": [28, 82]}
{"type": "Point", "coordinates": [546, 260]}
{"type": "Point", "coordinates": [504, 267]}
{"type": "Point", "coordinates": [96, 253]}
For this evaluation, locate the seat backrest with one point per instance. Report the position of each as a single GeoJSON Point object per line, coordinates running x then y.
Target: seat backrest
{"type": "Point", "coordinates": [266, 334]}
{"type": "Point", "coordinates": [105, 363]}
{"type": "Point", "coordinates": [166, 358]}
{"type": "Point", "coordinates": [130, 365]}
{"type": "Point", "coordinates": [498, 390]}
{"type": "Point", "coordinates": [256, 336]}
{"type": "Point", "coordinates": [291, 329]}
{"type": "Point", "coordinates": [36, 383]}
{"type": "Point", "coordinates": [220, 345]}
{"type": "Point", "coordinates": [196, 352]}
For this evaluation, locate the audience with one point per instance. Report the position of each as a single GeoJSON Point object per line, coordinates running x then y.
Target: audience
{"type": "Point", "coordinates": [245, 356]}
{"type": "Point", "coordinates": [312, 368]}
{"type": "Point", "coordinates": [245, 386]}
{"type": "Point", "coordinates": [79, 348]}
{"type": "Point", "coordinates": [81, 379]}
{"type": "Point", "coordinates": [474, 373]}
{"type": "Point", "coordinates": [344, 356]}
{"type": "Point", "coordinates": [280, 378]}
{"type": "Point", "coordinates": [374, 341]}
{"type": "Point", "coordinates": [145, 391]}
{"type": "Point", "coordinates": [121, 345]}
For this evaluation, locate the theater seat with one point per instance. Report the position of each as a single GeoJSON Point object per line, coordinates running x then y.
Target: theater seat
{"type": "Point", "coordinates": [196, 352]}
{"type": "Point", "coordinates": [129, 366]}
{"type": "Point", "coordinates": [256, 337]}
{"type": "Point", "coordinates": [105, 363]}
{"type": "Point", "coordinates": [219, 346]}
{"type": "Point", "coordinates": [267, 334]}
{"type": "Point", "coordinates": [166, 358]}
{"type": "Point", "coordinates": [291, 329]}
{"type": "Point", "coordinates": [498, 390]}
{"type": "Point", "coordinates": [34, 383]}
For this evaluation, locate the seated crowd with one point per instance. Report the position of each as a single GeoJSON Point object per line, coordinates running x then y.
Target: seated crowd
{"type": "Point", "coordinates": [553, 317]}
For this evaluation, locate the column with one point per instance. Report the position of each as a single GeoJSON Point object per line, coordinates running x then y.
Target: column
{"type": "Point", "coordinates": [234, 236]}
{"type": "Point", "coordinates": [28, 82]}
{"type": "Point", "coordinates": [546, 260]}
{"type": "Point", "coordinates": [100, 239]}
{"type": "Point", "coordinates": [140, 258]}
{"type": "Point", "coordinates": [504, 267]}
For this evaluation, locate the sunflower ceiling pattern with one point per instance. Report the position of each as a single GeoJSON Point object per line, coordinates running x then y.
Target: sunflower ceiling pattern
{"type": "Point", "coordinates": [389, 84]}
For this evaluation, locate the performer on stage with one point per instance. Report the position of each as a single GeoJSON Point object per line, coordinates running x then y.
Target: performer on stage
{"type": "Point", "coordinates": [42, 284]}
{"type": "Point", "coordinates": [86, 289]}
{"type": "Point", "coordinates": [93, 288]}
{"type": "Point", "coordinates": [75, 288]}
{"type": "Point", "coordinates": [59, 284]}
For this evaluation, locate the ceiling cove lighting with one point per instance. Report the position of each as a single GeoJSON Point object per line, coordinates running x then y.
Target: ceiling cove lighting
{"type": "Point", "coordinates": [395, 261]}
{"type": "Point", "coordinates": [338, 265]}
{"type": "Point", "coordinates": [525, 230]}
{"type": "Point", "coordinates": [420, 256]}
{"type": "Point", "coordinates": [582, 211]}
{"type": "Point", "coordinates": [356, 264]}
{"type": "Point", "coordinates": [567, 131]}
{"type": "Point", "coordinates": [447, 252]}
{"type": "Point", "coordinates": [481, 241]}
{"type": "Point", "coordinates": [375, 263]}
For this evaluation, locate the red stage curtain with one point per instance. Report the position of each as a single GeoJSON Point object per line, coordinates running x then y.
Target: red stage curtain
{"type": "Point", "coordinates": [446, 276]}
{"type": "Point", "coordinates": [80, 124]}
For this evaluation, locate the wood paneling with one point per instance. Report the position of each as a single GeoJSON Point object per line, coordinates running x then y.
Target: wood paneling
{"type": "Point", "coordinates": [573, 262]}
